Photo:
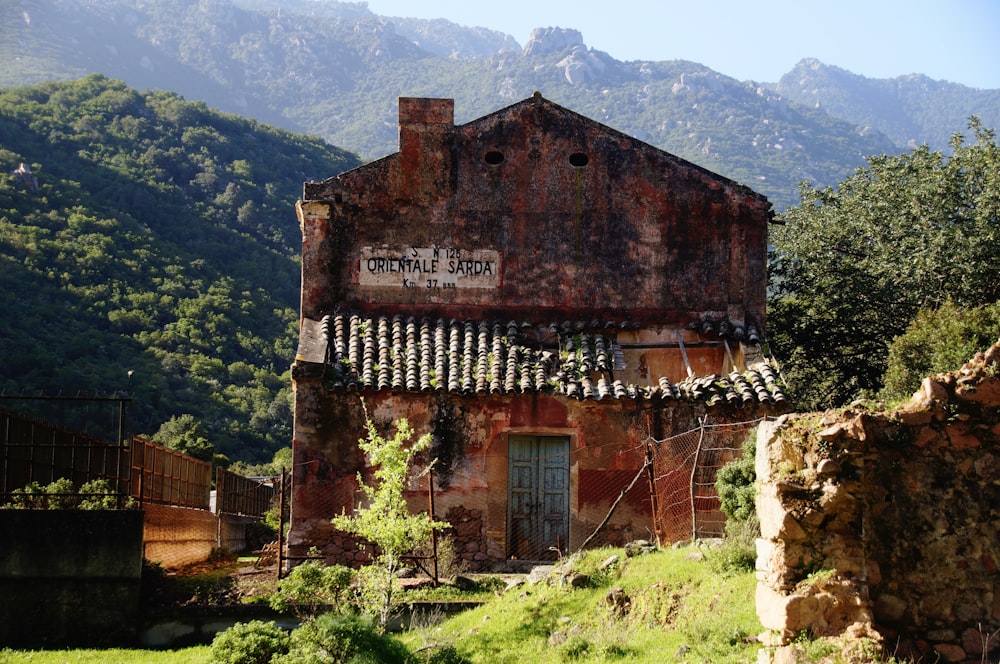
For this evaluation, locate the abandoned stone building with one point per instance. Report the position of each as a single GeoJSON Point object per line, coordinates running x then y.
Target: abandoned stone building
{"type": "Point", "coordinates": [544, 295]}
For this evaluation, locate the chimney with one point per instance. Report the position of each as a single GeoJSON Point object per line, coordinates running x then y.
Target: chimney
{"type": "Point", "coordinates": [425, 145]}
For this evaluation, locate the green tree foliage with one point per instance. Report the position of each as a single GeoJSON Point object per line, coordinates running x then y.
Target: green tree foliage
{"type": "Point", "coordinates": [938, 340]}
{"type": "Point", "coordinates": [385, 520]}
{"type": "Point", "coordinates": [282, 459]}
{"type": "Point", "coordinates": [735, 483]}
{"type": "Point", "coordinates": [854, 265]}
{"type": "Point", "coordinates": [161, 240]}
{"type": "Point", "coordinates": [186, 435]}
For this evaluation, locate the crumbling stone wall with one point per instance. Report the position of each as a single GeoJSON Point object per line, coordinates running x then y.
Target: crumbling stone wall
{"type": "Point", "coordinates": [879, 528]}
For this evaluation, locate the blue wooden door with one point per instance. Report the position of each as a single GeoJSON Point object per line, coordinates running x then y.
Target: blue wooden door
{"type": "Point", "coordinates": [538, 500]}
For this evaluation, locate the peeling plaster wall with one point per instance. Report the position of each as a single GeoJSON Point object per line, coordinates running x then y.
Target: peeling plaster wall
{"type": "Point", "coordinates": [886, 525]}
{"type": "Point", "coordinates": [474, 479]}
{"type": "Point", "coordinates": [606, 450]}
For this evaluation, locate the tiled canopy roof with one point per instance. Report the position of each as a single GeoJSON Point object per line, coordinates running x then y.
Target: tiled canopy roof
{"type": "Point", "coordinates": [577, 360]}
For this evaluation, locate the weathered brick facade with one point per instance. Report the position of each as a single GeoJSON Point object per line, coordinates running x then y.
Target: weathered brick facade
{"type": "Point", "coordinates": [529, 286]}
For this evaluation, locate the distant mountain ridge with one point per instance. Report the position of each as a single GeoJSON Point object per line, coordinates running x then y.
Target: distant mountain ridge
{"type": "Point", "coordinates": [910, 110]}
{"type": "Point", "coordinates": [335, 69]}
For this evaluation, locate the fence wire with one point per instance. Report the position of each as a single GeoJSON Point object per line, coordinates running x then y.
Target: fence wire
{"type": "Point", "coordinates": [684, 471]}
{"type": "Point", "coordinates": [244, 496]}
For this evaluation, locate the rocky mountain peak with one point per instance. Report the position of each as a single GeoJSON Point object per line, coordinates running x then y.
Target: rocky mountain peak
{"type": "Point", "coordinates": [552, 40]}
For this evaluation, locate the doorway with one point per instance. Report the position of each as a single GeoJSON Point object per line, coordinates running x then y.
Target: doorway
{"type": "Point", "coordinates": [538, 496]}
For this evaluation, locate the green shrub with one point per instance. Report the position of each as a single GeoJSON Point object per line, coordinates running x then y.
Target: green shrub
{"type": "Point", "coordinates": [311, 587]}
{"type": "Point", "coordinates": [738, 551]}
{"type": "Point", "coordinates": [441, 655]}
{"type": "Point", "coordinates": [29, 497]}
{"type": "Point", "coordinates": [735, 483]}
{"type": "Point", "coordinates": [254, 642]}
{"type": "Point", "coordinates": [737, 500]}
{"type": "Point", "coordinates": [62, 494]}
{"type": "Point", "coordinates": [938, 340]}
{"type": "Point", "coordinates": [97, 495]}
{"type": "Point", "coordinates": [341, 639]}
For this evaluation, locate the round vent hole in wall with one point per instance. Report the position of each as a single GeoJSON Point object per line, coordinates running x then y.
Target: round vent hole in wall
{"type": "Point", "coordinates": [578, 159]}
{"type": "Point", "coordinates": [493, 157]}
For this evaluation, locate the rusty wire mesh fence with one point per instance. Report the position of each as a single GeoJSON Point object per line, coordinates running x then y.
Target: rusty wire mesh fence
{"type": "Point", "coordinates": [34, 452]}
{"type": "Point", "coordinates": [684, 471]}
{"type": "Point", "coordinates": [161, 475]}
{"type": "Point", "coordinates": [40, 453]}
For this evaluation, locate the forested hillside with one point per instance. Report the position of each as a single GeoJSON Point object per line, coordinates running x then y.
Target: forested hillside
{"type": "Point", "coordinates": [153, 236]}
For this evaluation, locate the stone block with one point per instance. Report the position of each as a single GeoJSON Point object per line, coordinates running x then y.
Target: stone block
{"type": "Point", "coordinates": [770, 511]}
{"type": "Point", "coordinates": [931, 392]}
{"type": "Point", "coordinates": [986, 392]}
{"type": "Point", "coordinates": [788, 614]}
{"type": "Point", "coordinates": [960, 437]}
{"type": "Point", "coordinates": [949, 652]}
{"type": "Point", "coordinates": [975, 642]}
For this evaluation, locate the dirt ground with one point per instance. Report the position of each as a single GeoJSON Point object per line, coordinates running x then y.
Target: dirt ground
{"type": "Point", "coordinates": [218, 581]}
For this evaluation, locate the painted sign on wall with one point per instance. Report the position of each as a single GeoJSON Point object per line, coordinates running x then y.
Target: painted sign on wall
{"type": "Point", "coordinates": [429, 267]}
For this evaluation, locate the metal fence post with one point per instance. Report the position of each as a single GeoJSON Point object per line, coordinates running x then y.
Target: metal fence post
{"type": "Point", "coordinates": [281, 521]}
{"type": "Point", "coordinates": [653, 502]}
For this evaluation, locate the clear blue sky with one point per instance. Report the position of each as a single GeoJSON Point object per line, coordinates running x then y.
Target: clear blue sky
{"type": "Point", "coordinates": [953, 40]}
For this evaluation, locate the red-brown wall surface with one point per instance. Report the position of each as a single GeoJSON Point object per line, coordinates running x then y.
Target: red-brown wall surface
{"type": "Point", "coordinates": [539, 216]}
{"type": "Point", "coordinates": [635, 233]}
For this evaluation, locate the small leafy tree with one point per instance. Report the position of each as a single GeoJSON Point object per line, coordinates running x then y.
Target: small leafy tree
{"type": "Point", "coordinates": [385, 520]}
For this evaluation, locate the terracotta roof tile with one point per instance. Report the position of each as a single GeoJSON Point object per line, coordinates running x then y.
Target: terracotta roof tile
{"type": "Point", "coordinates": [573, 359]}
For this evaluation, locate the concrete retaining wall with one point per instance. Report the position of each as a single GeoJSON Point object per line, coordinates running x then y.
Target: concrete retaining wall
{"type": "Point", "coordinates": [69, 578]}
